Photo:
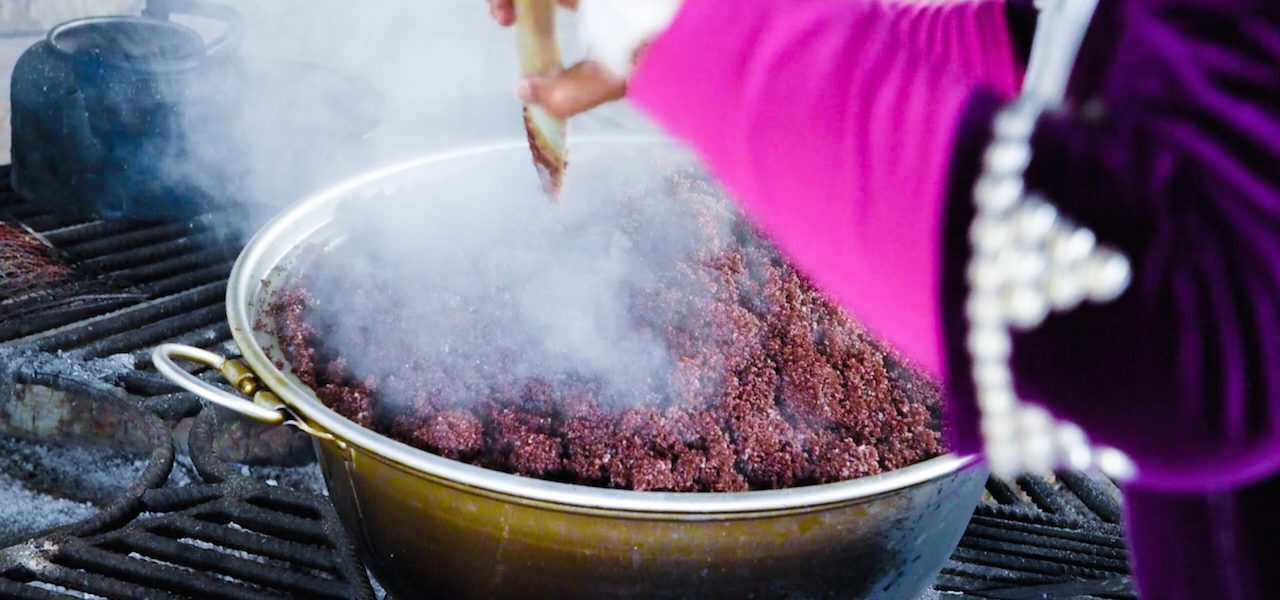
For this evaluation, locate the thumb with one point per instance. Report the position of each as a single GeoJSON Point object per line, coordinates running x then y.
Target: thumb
{"type": "Point", "coordinates": [577, 89]}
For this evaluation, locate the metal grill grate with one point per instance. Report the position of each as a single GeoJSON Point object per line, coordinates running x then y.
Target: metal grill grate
{"type": "Point", "coordinates": [230, 537]}
{"type": "Point", "coordinates": [1042, 538]}
{"type": "Point", "coordinates": [1033, 538]}
{"type": "Point", "coordinates": [175, 275]}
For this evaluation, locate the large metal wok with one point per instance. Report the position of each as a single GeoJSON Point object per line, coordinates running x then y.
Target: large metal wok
{"type": "Point", "coordinates": [434, 527]}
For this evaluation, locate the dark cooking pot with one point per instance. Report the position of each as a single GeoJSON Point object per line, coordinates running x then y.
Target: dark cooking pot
{"type": "Point", "coordinates": [438, 528]}
{"type": "Point", "coordinates": [96, 113]}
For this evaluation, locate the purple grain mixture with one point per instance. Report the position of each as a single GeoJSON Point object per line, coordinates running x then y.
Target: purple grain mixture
{"type": "Point", "coordinates": [773, 386]}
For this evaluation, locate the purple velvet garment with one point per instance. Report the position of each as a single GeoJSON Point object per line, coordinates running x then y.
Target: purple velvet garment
{"type": "Point", "coordinates": [1171, 153]}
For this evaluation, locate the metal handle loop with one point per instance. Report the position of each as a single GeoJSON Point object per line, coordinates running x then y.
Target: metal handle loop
{"type": "Point", "coordinates": [264, 406]}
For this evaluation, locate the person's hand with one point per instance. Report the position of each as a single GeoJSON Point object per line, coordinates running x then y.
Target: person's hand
{"type": "Point", "coordinates": [504, 11]}
{"type": "Point", "coordinates": [576, 89]}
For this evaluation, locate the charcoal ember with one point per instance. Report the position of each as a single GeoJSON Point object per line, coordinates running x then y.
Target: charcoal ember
{"type": "Point", "coordinates": [770, 384]}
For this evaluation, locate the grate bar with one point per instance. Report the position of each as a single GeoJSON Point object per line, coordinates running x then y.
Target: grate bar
{"type": "Point", "coordinates": [79, 232]}
{"type": "Point", "coordinates": [1086, 537]}
{"type": "Point", "coordinates": [289, 527]}
{"type": "Point", "coordinates": [181, 498]}
{"type": "Point", "coordinates": [273, 498]}
{"type": "Point", "coordinates": [185, 281]}
{"type": "Point", "coordinates": [1029, 514]}
{"type": "Point", "coordinates": [1092, 495]}
{"type": "Point", "coordinates": [150, 254]}
{"type": "Point", "coordinates": [1003, 493]}
{"type": "Point", "coordinates": [154, 333]}
{"type": "Point", "coordinates": [72, 577]}
{"type": "Point", "coordinates": [1000, 534]}
{"type": "Point", "coordinates": [147, 234]}
{"type": "Point", "coordinates": [147, 383]}
{"type": "Point", "coordinates": [76, 308]}
{"type": "Point", "coordinates": [256, 543]}
{"type": "Point", "coordinates": [1115, 587]}
{"type": "Point", "coordinates": [1046, 497]}
{"type": "Point", "coordinates": [1022, 558]}
{"type": "Point", "coordinates": [203, 337]}
{"type": "Point", "coordinates": [200, 585]}
{"type": "Point", "coordinates": [203, 559]}
{"type": "Point", "coordinates": [957, 576]}
{"type": "Point", "coordinates": [22, 591]}
{"type": "Point", "coordinates": [128, 318]}
{"type": "Point", "coordinates": [51, 221]}
{"type": "Point", "coordinates": [185, 263]}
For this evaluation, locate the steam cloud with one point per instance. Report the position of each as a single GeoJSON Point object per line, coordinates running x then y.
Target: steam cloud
{"type": "Point", "coordinates": [482, 273]}
{"type": "Point", "coordinates": [471, 279]}
{"type": "Point", "coordinates": [325, 89]}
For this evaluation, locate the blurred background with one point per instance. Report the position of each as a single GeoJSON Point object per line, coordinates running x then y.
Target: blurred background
{"type": "Point", "coordinates": [444, 70]}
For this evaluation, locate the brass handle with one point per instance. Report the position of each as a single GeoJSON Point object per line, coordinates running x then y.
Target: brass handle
{"type": "Point", "coordinates": [263, 406]}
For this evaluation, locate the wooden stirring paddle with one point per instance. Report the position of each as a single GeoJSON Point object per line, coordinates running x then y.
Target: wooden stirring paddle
{"type": "Point", "coordinates": [540, 55]}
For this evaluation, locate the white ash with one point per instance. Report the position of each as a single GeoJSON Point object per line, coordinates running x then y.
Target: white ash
{"type": "Point", "coordinates": [308, 478]}
{"type": "Point", "coordinates": [183, 473]}
{"type": "Point", "coordinates": [77, 473]}
{"type": "Point", "coordinates": [24, 512]}
{"type": "Point", "coordinates": [108, 368]}
{"type": "Point", "coordinates": [65, 591]}
{"type": "Point", "coordinates": [43, 485]}
{"type": "Point", "coordinates": [258, 558]}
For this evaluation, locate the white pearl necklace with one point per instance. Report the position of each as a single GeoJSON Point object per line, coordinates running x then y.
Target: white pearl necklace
{"type": "Point", "coordinates": [1028, 261]}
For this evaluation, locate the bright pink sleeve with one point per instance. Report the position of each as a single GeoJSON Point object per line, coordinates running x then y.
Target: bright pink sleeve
{"type": "Point", "coordinates": [831, 121]}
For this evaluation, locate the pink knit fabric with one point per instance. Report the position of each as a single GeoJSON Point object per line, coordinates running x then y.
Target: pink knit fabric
{"type": "Point", "coordinates": [831, 122]}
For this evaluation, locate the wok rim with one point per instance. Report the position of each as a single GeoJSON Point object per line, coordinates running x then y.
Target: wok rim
{"type": "Point", "coordinates": [247, 278]}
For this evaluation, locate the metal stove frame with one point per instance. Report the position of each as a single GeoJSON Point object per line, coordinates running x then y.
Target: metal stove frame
{"type": "Point", "coordinates": [1029, 538]}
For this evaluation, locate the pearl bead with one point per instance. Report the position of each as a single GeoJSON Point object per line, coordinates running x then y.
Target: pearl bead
{"type": "Point", "coordinates": [1108, 275]}
{"type": "Point", "coordinates": [985, 309]}
{"type": "Point", "coordinates": [1065, 289]}
{"type": "Point", "coordinates": [1017, 122]}
{"type": "Point", "coordinates": [1071, 245]}
{"type": "Point", "coordinates": [1069, 434]}
{"type": "Point", "coordinates": [988, 235]}
{"type": "Point", "coordinates": [993, 374]}
{"type": "Point", "coordinates": [997, 194]}
{"type": "Point", "coordinates": [1035, 421]}
{"type": "Point", "coordinates": [1026, 307]}
{"type": "Point", "coordinates": [1007, 156]}
{"type": "Point", "coordinates": [997, 401]}
{"type": "Point", "coordinates": [1078, 457]}
{"type": "Point", "coordinates": [1038, 455]}
{"type": "Point", "coordinates": [1073, 446]}
{"type": "Point", "coordinates": [989, 343]}
{"type": "Point", "coordinates": [1027, 261]}
{"type": "Point", "coordinates": [985, 275]}
{"type": "Point", "coordinates": [1028, 266]}
{"type": "Point", "coordinates": [1114, 464]}
{"type": "Point", "coordinates": [1034, 220]}
{"type": "Point", "coordinates": [999, 430]}
{"type": "Point", "coordinates": [1002, 459]}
